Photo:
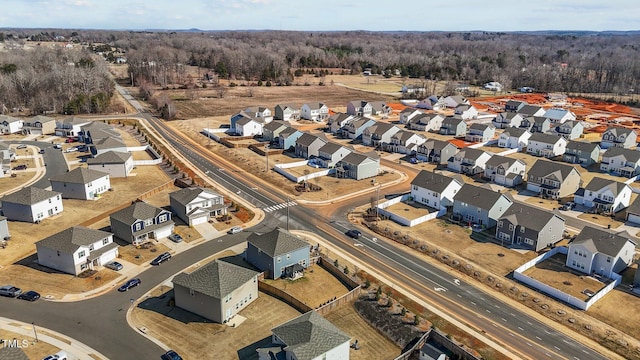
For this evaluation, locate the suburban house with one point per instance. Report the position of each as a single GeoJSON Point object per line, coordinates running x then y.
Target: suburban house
{"type": "Point", "coordinates": [81, 183]}
{"type": "Point", "coordinates": [197, 205]}
{"type": "Point", "coordinates": [307, 145]}
{"type": "Point", "coordinates": [505, 171]}
{"type": "Point", "coordinates": [4, 229]}
{"type": "Point", "coordinates": [116, 164]}
{"type": "Point", "coordinates": [480, 206]}
{"type": "Point", "coordinates": [415, 89]}
{"type": "Point", "coordinates": [434, 189]}
{"type": "Point", "coordinates": [39, 125]}
{"type": "Point", "coordinates": [453, 125]}
{"type": "Point", "coordinates": [359, 108]}
{"type": "Point", "coordinates": [581, 152]}
{"type": "Point", "coordinates": [271, 131]}
{"type": "Point", "coordinates": [514, 138]}
{"type": "Point", "coordinates": [405, 142]}
{"type": "Point", "coordinates": [570, 129]}
{"type": "Point", "coordinates": [314, 111]}
{"type": "Point", "coordinates": [307, 337]}
{"type": "Point", "coordinates": [288, 137]}
{"type": "Point", "coordinates": [480, 133]}
{"type": "Point", "coordinates": [330, 153]}
{"type": "Point", "coordinates": [248, 126]}
{"type": "Point", "coordinates": [31, 204]}
{"type": "Point", "coordinates": [378, 134]}
{"type": "Point", "coordinates": [507, 119]}
{"type": "Point", "coordinates": [514, 105]}
{"type": "Point", "coordinates": [140, 222]}
{"type": "Point", "coordinates": [107, 144]}
{"type": "Point", "coordinates": [432, 102]}
{"type": "Point", "coordinates": [436, 151]}
{"type": "Point", "coordinates": [621, 161]}
{"type": "Point", "coordinates": [604, 195]}
{"type": "Point", "coordinates": [407, 114]}
{"type": "Point", "coordinates": [260, 112]}
{"type": "Point", "coordinates": [536, 124]}
{"type": "Point", "coordinates": [337, 121]}
{"type": "Point", "coordinates": [531, 110]}
{"type": "Point", "coordinates": [95, 131]}
{"type": "Point", "coordinates": [595, 251]}
{"type": "Point", "coordinates": [546, 145]}
{"type": "Point", "coordinates": [358, 166]}
{"type": "Point", "coordinates": [454, 100]}
{"type": "Point", "coordinates": [380, 108]}
{"type": "Point", "coordinates": [353, 129]}
{"type": "Point", "coordinates": [469, 161]}
{"type": "Point", "coordinates": [286, 112]}
{"type": "Point", "coordinates": [529, 227]}
{"type": "Point", "coordinates": [70, 126]}
{"type": "Point", "coordinates": [553, 180]}
{"type": "Point", "coordinates": [466, 112]}
{"type": "Point", "coordinates": [559, 116]}
{"type": "Point", "coordinates": [426, 122]}
{"type": "Point", "coordinates": [10, 124]}
{"type": "Point", "coordinates": [77, 249]}
{"type": "Point", "coordinates": [278, 253]}
{"type": "Point", "coordinates": [7, 155]}
{"type": "Point", "coordinates": [619, 137]}
{"type": "Point", "coordinates": [633, 212]}
{"type": "Point", "coordinates": [216, 291]}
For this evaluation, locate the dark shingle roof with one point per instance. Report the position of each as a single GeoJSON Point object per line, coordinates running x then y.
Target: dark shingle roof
{"type": "Point", "coordinates": [12, 353]}
{"type": "Point", "coordinates": [471, 153]}
{"type": "Point", "coordinates": [310, 335]}
{"type": "Point", "coordinates": [275, 125]}
{"type": "Point", "coordinates": [216, 279]}
{"type": "Point", "coordinates": [528, 110]}
{"type": "Point", "coordinates": [69, 240]}
{"type": "Point", "coordinates": [601, 241]}
{"type": "Point", "coordinates": [355, 158]}
{"type": "Point", "coordinates": [543, 168]}
{"type": "Point", "coordinates": [529, 217]}
{"type": "Point", "coordinates": [514, 131]}
{"type": "Point", "coordinates": [433, 181]}
{"type": "Point", "coordinates": [139, 210]}
{"type": "Point", "coordinates": [582, 145]}
{"type": "Point", "coordinates": [186, 195]}
{"type": "Point", "coordinates": [629, 155]}
{"type": "Point", "coordinates": [617, 131]}
{"type": "Point", "coordinates": [277, 242]}
{"type": "Point", "coordinates": [481, 127]}
{"type": "Point", "coordinates": [29, 196]}
{"type": "Point", "coordinates": [110, 157]}
{"type": "Point", "coordinates": [452, 121]}
{"type": "Point", "coordinates": [330, 148]}
{"type": "Point", "coordinates": [436, 144]}
{"type": "Point", "coordinates": [545, 138]}
{"type": "Point", "coordinates": [497, 160]}
{"type": "Point", "coordinates": [307, 139]}
{"type": "Point", "coordinates": [477, 196]}
{"type": "Point", "coordinates": [79, 176]}
{"type": "Point", "coordinates": [598, 183]}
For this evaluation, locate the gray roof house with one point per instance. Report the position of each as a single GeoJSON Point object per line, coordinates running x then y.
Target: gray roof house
{"type": "Point", "coordinates": [619, 137]}
{"type": "Point", "coordinates": [604, 195]}
{"type": "Point", "coordinates": [330, 153]}
{"type": "Point", "coordinates": [278, 253]}
{"type": "Point", "coordinates": [531, 110]}
{"type": "Point", "coordinates": [70, 126]}
{"type": "Point", "coordinates": [581, 152]}
{"type": "Point", "coordinates": [434, 189]}
{"type": "Point", "coordinates": [425, 122]}
{"type": "Point", "coordinates": [216, 291]}
{"type": "Point", "coordinates": [307, 145]}
{"type": "Point", "coordinates": [271, 131]}
{"type": "Point", "coordinates": [103, 145]}
{"type": "Point", "coordinates": [536, 124]}
{"type": "Point", "coordinates": [337, 121]}
{"type": "Point", "coordinates": [405, 142]}
{"type": "Point", "coordinates": [469, 161]}
{"type": "Point", "coordinates": [596, 251]}
{"type": "Point", "coordinates": [287, 138]}
{"type": "Point", "coordinates": [81, 183]}
{"type": "Point", "coordinates": [31, 204]}
{"type": "Point", "coordinates": [358, 166]}
{"type": "Point", "coordinates": [359, 108]}
{"type": "Point", "coordinates": [378, 134]}
{"type": "Point", "coordinates": [633, 212]}
{"type": "Point", "coordinates": [12, 353]}
{"type": "Point", "coordinates": [546, 145]}
{"type": "Point", "coordinates": [621, 161]}
{"type": "Point", "coordinates": [481, 133]}
{"type": "Point", "coordinates": [479, 206]}
{"type": "Point", "coordinates": [308, 337]}
{"type": "Point", "coordinates": [316, 111]}
{"type": "Point", "coordinates": [436, 151]}
{"type": "Point", "coordinates": [39, 125]}
{"type": "Point", "coordinates": [529, 227]}
{"type": "Point", "coordinates": [505, 171]}
{"type": "Point", "coordinates": [453, 125]}
{"type": "Point", "coordinates": [570, 129]}
{"type": "Point", "coordinates": [514, 105]}
{"type": "Point", "coordinates": [408, 113]}
{"type": "Point", "coordinates": [507, 119]}
{"type": "Point", "coordinates": [553, 180]}
{"type": "Point", "coordinates": [77, 249]}
{"type": "Point", "coordinates": [116, 164]}
{"type": "Point", "coordinates": [514, 138]}
{"type": "Point", "coordinates": [197, 205]}
{"type": "Point", "coordinates": [454, 100]}
{"type": "Point", "coordinates": [286, 112]}
{"type": "Point", "coordinates": [353, 129]}
{"type": "Point", "coordinates": [140, 222]}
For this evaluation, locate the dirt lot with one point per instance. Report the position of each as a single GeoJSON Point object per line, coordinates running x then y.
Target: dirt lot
{"type": "Point", "coordinates": [142, 254]}
{"type": "Point", "coordinates": [608, 308]}
{"type": "Point", "coordinates": [306, 288]}
{"type": "Point", "coordinates": [8, 183]}
{"type": "Point", "coordinates": [553, 273]}
{"type": "Point", "coordinates": [33, 350]}
{"type": "Point", "coordinates": [410, 211]}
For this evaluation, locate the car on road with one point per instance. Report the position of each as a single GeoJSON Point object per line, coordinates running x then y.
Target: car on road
{"type": "Point", "coordinates": [114, 265]}
{"type": "Point", "coordinates": [57, 146]}
{"type": "Point", "coordinates": [21, 146]}
{"type": "Point", "coordinates": [171, 355]}
{"type": "Point", "coordinates": [234, 230]}
{"type": "Point", "coordinates": [10, 291]}
{"type": "Point", "coordinates": [353, 233]}
{"type": "Point", "coordinates": [161, 258]}
{"type": "Point", "coordinates": [176, 238]}
{"type": "Point", "coordinates": [130, 284]}
{"type": "Point", "coordinates": [29, 296]}
{"type": "Point", "coordinates": [71, 149]}
{"type": "Point", "coordinates": [20, 167]}
{"type": "Point", "coordinates": [568, 206]}
{"type": "Point", "coordinates": [41, 151]}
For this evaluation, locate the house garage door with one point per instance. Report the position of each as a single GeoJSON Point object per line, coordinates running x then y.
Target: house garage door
{"type": "Point", "coordinates": [199, 220]}
{"type": "Point", "coordinates": [164, 232]}
{"type": "Point", "coordinates": [634, 218]}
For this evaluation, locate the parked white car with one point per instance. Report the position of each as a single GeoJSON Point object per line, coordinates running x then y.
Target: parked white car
{"type": "Point", "coordinates": [72, 149]}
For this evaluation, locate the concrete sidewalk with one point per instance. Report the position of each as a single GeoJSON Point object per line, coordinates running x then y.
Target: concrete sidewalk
{"type": "Point", "coordinates": [75, 349]}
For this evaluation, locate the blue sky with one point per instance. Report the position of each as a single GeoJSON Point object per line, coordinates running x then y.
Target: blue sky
{"type": "Point", "coordinates": [375, 15]}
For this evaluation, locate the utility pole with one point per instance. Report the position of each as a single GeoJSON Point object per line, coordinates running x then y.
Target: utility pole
{"type": "Point", "coordinates": [287, 213]}
{"type": "Point", "coordinates": [266, 152]}
{"type": "Point", "coordinates": [34, 330]}
{"type": "Point", "coordinates": [377, 200]}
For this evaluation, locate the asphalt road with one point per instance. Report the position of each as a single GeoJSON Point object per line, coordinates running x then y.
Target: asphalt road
{"type": "Point", "coordinates": [53, 158]}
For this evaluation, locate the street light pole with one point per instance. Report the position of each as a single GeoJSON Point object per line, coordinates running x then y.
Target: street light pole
{"type": "Point", "coordinates": [266, 151]}
{"type": "Point", "coordinates": [34, 331]}
{"type": "Point", "coordinates": [287, 213]}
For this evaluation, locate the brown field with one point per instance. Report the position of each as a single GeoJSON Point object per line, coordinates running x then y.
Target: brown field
{"type": "Point", "coordinates": [8, 183]}
{"type": "Point", "coordinates": [306, 289]}
{"type": "Point", "coordinates": [34, 350]}
{"type": "Point", "coordinates": [601, 220]}
{"type": "Point", "coordinates": [142, 254]}
{"type": "Point", "coordinates": [608, 311]}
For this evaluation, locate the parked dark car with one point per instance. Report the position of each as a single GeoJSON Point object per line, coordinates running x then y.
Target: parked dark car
{"type": "Point", "coordinates": [161, 258]}
{"type": "Point", "coordinates": [353, 233]}
{"type": "Point", "coordinates": [171, 355]}
{"type": "Point", "coordinates": [568, 206]}
{"type": "Point", "coordinates": [129, 284]}
{"type": "Point", "coordinates": [29, 296]}
{"type": "Point", "coordinates": [176, 238]}
{"type": "Point", "coordinates": [20, 167]}
{"type": "Point", "coordinates": [10, 291]}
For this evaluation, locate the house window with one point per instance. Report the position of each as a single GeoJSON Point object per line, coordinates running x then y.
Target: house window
{"type": "Point", "coordinates": [81, 254]}
{"type": "Point", "coordinates": [279, 259]}
{"type": "Point", "coordinates": [137, 226]}
{"type": "Point", "coordinates": [105, 241]}
{"type": "Point", "coordinates": [510, 227]}
{"type": "Point", "coordinates": [83, 267]}
{"type": "Point", "coordinates": [500, 224]}
{"type": "Point", "coordinates": [608, 259]}
{"type": "Point", "coordinates": [148, 222]}
{"type": "Point", "coordinates": [288, 256]}
{"type": "Point", "coordinates": [191, 292]}
{"type": "Point", "coordinates": [49, 201]}
{"type": "Point", "coordinates": [522, 229]}
{"type": "Point", "coordinates": [162, 218]}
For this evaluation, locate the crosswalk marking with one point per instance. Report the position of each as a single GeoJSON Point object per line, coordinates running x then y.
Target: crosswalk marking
{"type": "Point", "coordinates": [280, 206]}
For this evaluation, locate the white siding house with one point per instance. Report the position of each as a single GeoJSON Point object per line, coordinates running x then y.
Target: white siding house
{"type": "Point", "coordinates": [81, 183]}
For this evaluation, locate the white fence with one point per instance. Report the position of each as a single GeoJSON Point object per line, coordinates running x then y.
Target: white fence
{"type": "Point", "coordinates": [157, 159]}
{"type": "Point", "coordinates": [518, 274]}
{"type": "Point", "coordinates": [402, 220]}
{"type": "Point", "coordinates": [215, 133]}
{"type": "Point", "coordinates": [507, 152]}
{"type": "Point", "coordinates": [281, 169]}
